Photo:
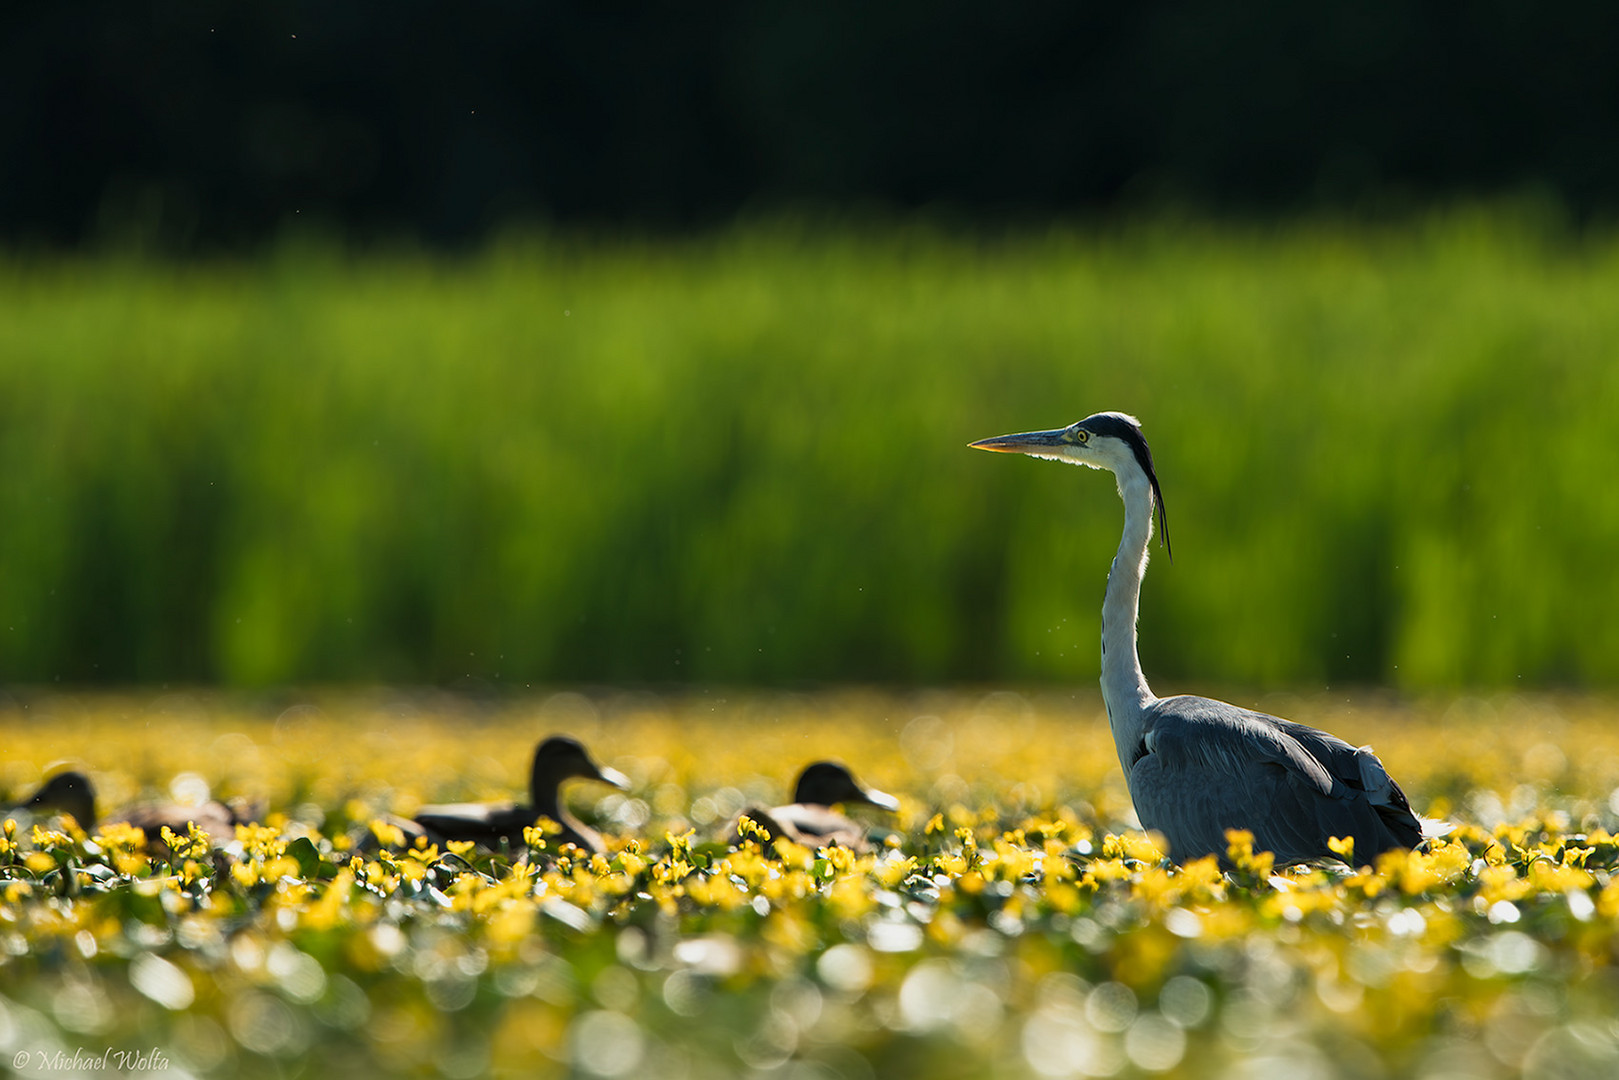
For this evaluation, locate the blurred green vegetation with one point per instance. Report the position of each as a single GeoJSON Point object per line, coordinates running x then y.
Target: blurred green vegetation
{"type": "Point", "coordinates": [1387, 453]}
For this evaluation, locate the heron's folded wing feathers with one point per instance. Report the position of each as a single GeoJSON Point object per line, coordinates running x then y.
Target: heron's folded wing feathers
{"type": "Point", "coordinates": [1226, 739]}
{"type": "Point", "coordinates": [1291, 784]}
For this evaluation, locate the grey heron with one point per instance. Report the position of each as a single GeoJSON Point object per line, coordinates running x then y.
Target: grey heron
{"type": "Point", "coordinates": [810, 819]}
{"type": "Point", "coordinates": [1197, 767]}
{"type": "Point", "coordinates": [557, 759]}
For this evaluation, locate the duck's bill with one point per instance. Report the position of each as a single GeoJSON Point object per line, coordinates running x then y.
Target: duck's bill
{"type": "Point", "coordinates": [880, 799]}
{"type": "Point", "coordinates": [1027, 442]}
{"type": "Point", "coordinates": [609, 775]}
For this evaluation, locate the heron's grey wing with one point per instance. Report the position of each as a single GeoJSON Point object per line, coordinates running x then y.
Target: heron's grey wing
{"type": "Point", "coordinates": [1210, 767]}
{"type": "Point", "coordinates": [1360, 770]}
{"type": "Point", "coordinates": [1199, 780]}
{"type": "Point", "coordinates": [1213, 737]}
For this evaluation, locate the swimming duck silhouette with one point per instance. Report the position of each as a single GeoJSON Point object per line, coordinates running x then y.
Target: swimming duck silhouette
{"type": "Point", "coordinates": [810, 819]}
{"type": "Point", "coordinates": [491, 824]}
{"type": "Point", "coordinates": [72, 793]}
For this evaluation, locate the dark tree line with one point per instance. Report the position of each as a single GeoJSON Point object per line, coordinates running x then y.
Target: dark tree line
{"type": "Point", "coordinates": [199, 124]}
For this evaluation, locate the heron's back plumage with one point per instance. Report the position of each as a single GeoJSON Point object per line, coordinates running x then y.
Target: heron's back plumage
{"type": "Point", "coordinates": [1205, 766]}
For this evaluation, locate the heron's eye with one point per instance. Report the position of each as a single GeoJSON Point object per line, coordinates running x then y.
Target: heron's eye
{"type": "Point", "coordinates": [1081, 436]}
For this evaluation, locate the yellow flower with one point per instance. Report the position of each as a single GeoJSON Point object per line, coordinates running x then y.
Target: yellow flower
{"type": "Point", "coordinates": [1498, 883]}
{"type": "Point", "coordinates": [1449, 860]}
{"type": "Point", "coordinates": [849, 898]}
{"type": "Point", "coordinates": [1549, 877]}
{"type": "Point", "coordinates": [749, 829]}
{"type": "Point", "coordinates": [1574, 855]}
{"type": "Point", "coordinates": [1101, 871]}
{"type": "Point", "coordinates": [44, 838]}
{"type": "Point", "coordinates": [1294, 904]}
{"type": "Point", "coordinates": [195, 844]}
{"type": "Point", "coordinates": [1240, 850]}
{"type": "Point", "coordinates": [839, 858]}
{"type": "Point", "coordinates": [891, 872]}
{"type": "Point", "coordinates": [1011, 862]}
{"type": "Point", "coordinates": [1144, 847]}
{"type": "Point", "coordinates": [1048, 829]}
{"type": "Point", "coordinates": [1608, 900]}
{"type": "Point", "coordinates": [1417, 872]}
{"type": "Point", "coordinates": [282, 866]}
{"type": "Point", "coordinates": [328, 911]}
{"type": "Point", "coordinates": [1157, 886]}
{"type": "Point", "coordinates": [1201, 878]}
{"type": "Point", "coordinates": [1063, 897]}
{"type": "Point", "coordinates": [715, 891]}
{"type": "Point", "coordinates": [793, 856]}
{"type": "Point", "coordinates": [510, 924]}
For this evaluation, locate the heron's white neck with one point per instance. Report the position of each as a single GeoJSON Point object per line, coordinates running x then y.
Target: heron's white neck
{"type": "Point", "coordinates": [1124, 687]}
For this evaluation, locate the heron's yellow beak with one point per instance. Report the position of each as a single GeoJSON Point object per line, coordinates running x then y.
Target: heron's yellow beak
{"type": "Point", "coordinates": [1028, 442]}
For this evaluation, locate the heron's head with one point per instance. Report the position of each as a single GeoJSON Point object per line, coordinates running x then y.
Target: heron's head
{"type": "Point", "coordinates": [1106, 440]}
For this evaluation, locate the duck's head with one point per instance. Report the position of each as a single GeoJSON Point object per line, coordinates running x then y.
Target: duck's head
{"type": "Point", "coordinates": [827, 783]}
{"type": "Point", "coordinates": [560, 758]}
{"type": "Point", "coordinates": [69, 793]}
